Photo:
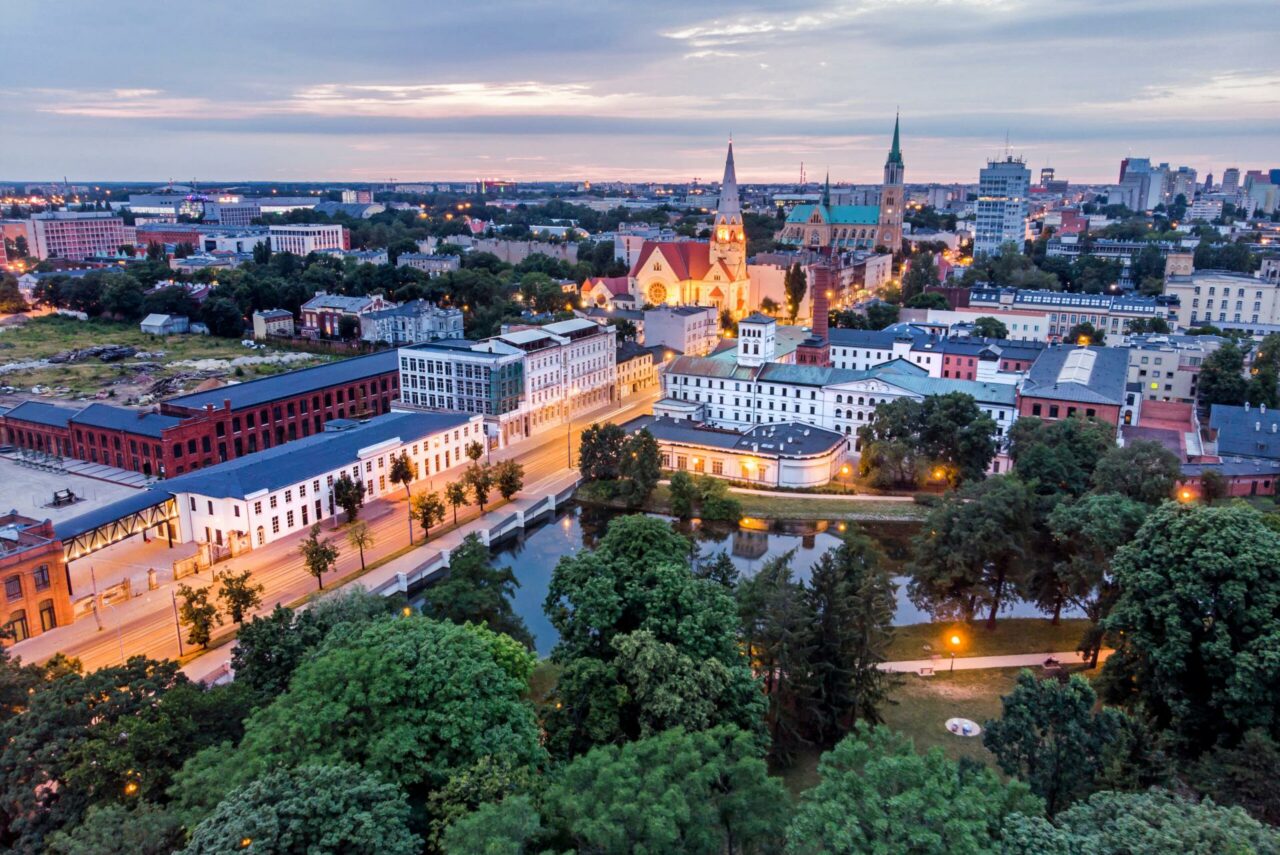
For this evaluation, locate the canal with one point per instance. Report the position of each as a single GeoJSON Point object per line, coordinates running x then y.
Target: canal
{"type": "Point", "coordinates": [533, 554]}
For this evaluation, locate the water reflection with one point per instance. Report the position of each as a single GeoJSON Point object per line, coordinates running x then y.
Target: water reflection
{"type": "Point", "coordinates": [532, 555]}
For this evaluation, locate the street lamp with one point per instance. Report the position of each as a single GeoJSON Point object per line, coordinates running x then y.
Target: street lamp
{"type": "Point", "coordinates": [568, 426]}
{"type": "Point", "coordinates": [954, 641]}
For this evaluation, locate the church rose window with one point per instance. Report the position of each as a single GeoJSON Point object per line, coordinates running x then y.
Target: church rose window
{"type": "Point", "coordinates": [657, 293]}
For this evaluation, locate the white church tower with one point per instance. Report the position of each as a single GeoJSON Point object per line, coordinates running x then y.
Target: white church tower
{"type": "Point", "coordinates": [757, 340]}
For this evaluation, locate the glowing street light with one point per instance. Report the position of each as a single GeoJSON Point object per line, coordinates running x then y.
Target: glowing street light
{"type": "Point", "coordinates": [954, 642]}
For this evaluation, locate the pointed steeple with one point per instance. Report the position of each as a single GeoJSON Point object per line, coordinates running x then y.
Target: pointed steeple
{"type": "Point", "coordinates": [729, 204]}
{"type": "Point", "coordinates": [895, 153]}
{"type": "Point", "coordinates": [826, 191]}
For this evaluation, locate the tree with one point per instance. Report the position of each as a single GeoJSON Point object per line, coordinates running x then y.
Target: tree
{"type": "Point", "coordinates": [418, 700]}
{"type": "Point", "coordinates": [456, 495]}
{"type": "Point", "coordinates": [769, 306]}
{"type": "Point", "coordinates": [876, 794]}
{"type": "Point", "coordinates": [474, 451]}
{"type": "Point", "coordinates": [474, 590]}
{"type": "Point", "coordinates": [1088, 533]}
{"type": "Point", "coordinates": [401, 472]}
{"type": "Point", "coordinates": [921, 273]}
{"type": "Point", "coordinates": [684, 494]}
{"type": "Point", "coordinates": [509, 476]}
{"type": "Point", "coordinates": [114, 829]}
{"type": "Point", "coordinates": [1142, 470]}
{"type": "Point", "coordinates": [600, 452]}
{"type": "Point", "coordinates": [702, 793]}
{"type": "Point", "coordinates": [11, 299]}
{"type": "Point", "coordinates": [329, 808]}
{"type": "Point", "coordinates": [359, 536]}
{"type": "Point", "coordinates": [197, 614]}
{"type": "Point", "coordinates": [122, 296]}
{"type": "Point", "coordinates": [795, 284]}
{"type": "Point", "coordinates": [644, 645]}
{"type": "Point", "coordinates": [479, 477]}
{"type": "Point", "coordinates": [223, 317]}
{"type": "Point", "coordinates": [318, 556]}
{"type": "Point", "coordinates": [429, 509]}
{"type": "Point", "coordinates": [1222, 377]}
{"type": "Point", "coordinates": [928, 300]}
{"type": "Point", "coordinates": [907, 440]}
{"type": "Point", "coordinates": [851, 600]}
{"type": "Point", "coordinates": [881, 315]}
{"type": "Point", "coordinates": [1149, 823]}
{"type": "Point", "coordinates": [269, 648]}
{"type": "Point", "coordinates": [1213, 485]}
{"type": "Point", "coordinates": [1242, 775]}
{"type": "Point", "coordinates": [641, 465]}
{"type": "Point", "coordinates": [1050, 737]}
{"type": "Point", "coordinates": [1085, 334]}
{"type": "Point", "coordinates": [238, 594]}
{"type": "Point", "coordinates": [1199, 588]}
{"type": "Point", "coordinates": [348, 495]}
{"type": "Point", "coordinates": [1059, 456]}
{"type": "Point", "coordinates": [989, 327]}
{"type": "Point", "coordinates": [972, 548]}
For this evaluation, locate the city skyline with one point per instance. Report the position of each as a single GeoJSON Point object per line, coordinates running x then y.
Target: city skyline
{"type": "Point", "coordinates": [631, 93]}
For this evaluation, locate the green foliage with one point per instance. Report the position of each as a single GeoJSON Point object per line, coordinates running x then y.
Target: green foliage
{"type": "Point", "coordinates": [684, 495]}
{"type": "Point", "coordinates": [600, 452]}
{"type": "Point", "coordinates": [455, 493]}
{"type": "Point", "coordinates": [644, 644]}
{"type": "Point", "coordinates": [1244, 775]}
{"type": "Point", "coordinates": [348, 495]}
{"type": "Point", "coordinates": [795, 284]}
{"type": "Point", "coordinates": [401, 471]}
{"type": "Point", "coordinates": [238, 594]}
{"type": "Point", "coordinates": [1059, 457]}
{"type": "Point", "coordinates": [509, 476]}
{"type": "Point", "coordinates": [1199, 594]}
{"type": "Point", "coordinates": [972, 549]}
{"type": "Point", "coordinates": [1085, 334]}
{"type": "Point", "coordinates": [927, 300]}
{"type": "Point", "coordinates": [334, 808]}
{"type": "Point", "coordinates": [479, 478]}
{"type": "Point", "coordinates": [1151, 823]}
{"type": "Point", "coordinates": [415, 700]}
{"type": "Point", "coordinates": [197, 614]}
{"type": "Point", "coordinates": [1141, 470]}
{"type": "Point", "coordinates": [1050, 737]}
{"type": "Point", "coordinates": [476, 591]}
{"type": "Point", "coordinates": [907, 440]}
{"type": "Point", "coordinates": [707, 792]}
{"type": "Point", "coordinates": [1222, 377]}
{"type": "Point", "coordinates": [881, 315]}
{"type": "Point", "coordinates": [269, 648]}
{"type": "Point", "coordinates": [989, 327]}
{"type": "Point", "coordinates": [878, 796]}
{"type": "Point", "coordinates": [359, 538]}
{"type": "Point", "coordinates": [114, 829]}
{"type": "Point", "coordinates": [641, 466]}
{"type": "Point", "coordinates": [428, 509]}
{"type": "Point", "coordinates": [318, 556]}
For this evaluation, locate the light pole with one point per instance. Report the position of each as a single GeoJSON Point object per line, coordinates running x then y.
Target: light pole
{"type": "Point", "coordinates": [568, 427]}
{"type": "Point", "coordinates": [176, 622]}
{"type": "Point", "coordinates": [955, 642]}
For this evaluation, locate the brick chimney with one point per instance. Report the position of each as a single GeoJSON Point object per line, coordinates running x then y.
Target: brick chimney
{"type": "Point", "coordinates": [820, 302]}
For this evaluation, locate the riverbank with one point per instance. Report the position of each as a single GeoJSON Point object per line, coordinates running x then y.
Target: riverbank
{"type": "Point", "coordinates": [780, 506]}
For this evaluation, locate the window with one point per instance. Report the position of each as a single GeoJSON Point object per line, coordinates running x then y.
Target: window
{"type": "Point", "coordinates": [257, 507]}
{"type": "Point", "coordinates": [272, 501]}
{"type": "Point", "coordinates": [288, 496]}
{"type": "Point", "coordinates": [288, 518]}
{"type": "Point", "coordinates": [13, 588]}
{"type": "Point", "coordinates": [41, 577]}
{"type": "Point", "coordinates": [275, 525]}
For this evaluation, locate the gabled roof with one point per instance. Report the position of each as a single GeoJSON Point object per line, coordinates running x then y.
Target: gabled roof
{"type": "Point", "coordinates": [118, 418]}
{"type": "Point", "coordinates": [1246, 432]}
{"type": "Point", "coordinates": [615, 285]}
{"type": "Point", "coordinates": [277, 386]}
{"type": "Point", "coordinates": [687, 259]}
{"type": "Point", "coordinates": [41, 413]}
{"type": "Point", "coordinates": [1092, 375]}
{"type": "Point", "coordinates": [771, 440]}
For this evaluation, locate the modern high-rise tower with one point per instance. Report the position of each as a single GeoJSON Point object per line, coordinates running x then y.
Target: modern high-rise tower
{"type": "Point", "coordinates": [1002, 205]}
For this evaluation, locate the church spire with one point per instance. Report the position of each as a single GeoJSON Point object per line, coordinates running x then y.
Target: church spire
{"type": "Point", "coordinates": [895, 153]}
{"type": "Point", "coordinates": [826, 191]}
{"type": "Point", "coordinates": [729, 204]}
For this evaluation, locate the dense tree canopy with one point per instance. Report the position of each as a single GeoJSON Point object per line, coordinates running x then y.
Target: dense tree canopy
{"type": "Point", "coordinates": [907, 440]}
{"type": "Point", "coordinates": [474, 590]}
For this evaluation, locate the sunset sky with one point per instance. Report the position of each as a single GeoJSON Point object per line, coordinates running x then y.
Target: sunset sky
{"type": "Point", "coordinates": [356, 91]}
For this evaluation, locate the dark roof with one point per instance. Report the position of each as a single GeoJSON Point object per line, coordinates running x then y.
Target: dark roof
{"type": "Point", "coordinates": [791, 438]}
{"type": "Point", "coordinates": [1088, 375]}
{"type": "Point", "coordinates": [882, 339]}
{"type": "Point", "coordinates": [629, 350]}
{"type": "Point", "coordinates": [118, 418]}
{"type": "Point", "coordinates": [292, 383]}
{"type": "Point", "coordinates": [111, 512]}
{"type": "Point", "coordinates": [1236, 467]}
{"type": "Point", "coordinates": [308, 457]}
{"type": "Point", "coordinates": [41, 413]}
{"type": "Point", "coordinates": [1250, 432]}
{"type": "Point", "coordinates": [758, 318]}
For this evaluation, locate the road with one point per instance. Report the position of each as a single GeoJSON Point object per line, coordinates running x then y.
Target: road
{"type": "Point", "coordinates": [147, 624]}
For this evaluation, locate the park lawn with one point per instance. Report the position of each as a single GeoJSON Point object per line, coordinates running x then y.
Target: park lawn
{"type": "Point", "coordinates": [784, 507]}
{"type": "Point", "coordinates": [920, 707]}
{"type": "Point", "coordinates": [1011, 635]}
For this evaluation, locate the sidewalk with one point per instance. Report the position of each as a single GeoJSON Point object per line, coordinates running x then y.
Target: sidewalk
{"type": "Point", "coordinates": [941, 664]}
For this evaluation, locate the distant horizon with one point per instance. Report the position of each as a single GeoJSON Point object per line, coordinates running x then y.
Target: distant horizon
{"type": "Point", "coordinates": [637, 93]}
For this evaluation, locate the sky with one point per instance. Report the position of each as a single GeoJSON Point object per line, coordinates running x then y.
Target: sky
{"type": "Point", "coordinates": [371, 90]}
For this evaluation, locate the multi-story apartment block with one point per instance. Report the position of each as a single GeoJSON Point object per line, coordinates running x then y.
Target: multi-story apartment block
{"type": "Point", "coordinates": [306, 238]}
{"type": "Point", "coordinates": [1167, 367]}
{"type": "Point", "coordinates": [323, 314]}
{"type": "Point", "coordinates": [523, 381]}
{"type": "Point", "coordinates": [692, 330]}
{"type": "Point", "coordinates": [1108, 313]}
{"type": "Point", "coordinates": [1226, 300]}
{"type": "Point", "coordinates": [1003, 188]}
{"type": "Point", "coordinates": [427, 263]}
{"type": "Point", "coordinates": [79, 234]}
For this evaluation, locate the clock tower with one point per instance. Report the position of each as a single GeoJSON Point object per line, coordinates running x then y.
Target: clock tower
{"type": "Point", "coordinates": [892, 198]}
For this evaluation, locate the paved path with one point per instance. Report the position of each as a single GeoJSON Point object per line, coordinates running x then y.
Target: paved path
{"type": "Point", "coordinates": [849, 497]}
{"type": "Point", "coordinates": [939, 664]}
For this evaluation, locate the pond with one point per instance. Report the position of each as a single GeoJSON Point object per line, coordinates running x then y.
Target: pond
{"type": "Point", "coordinates": [533, 554]}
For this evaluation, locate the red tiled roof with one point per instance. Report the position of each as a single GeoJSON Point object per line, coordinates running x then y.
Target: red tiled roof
{"type": "Point", "coordinates": [616, 285]}
{"type": "Point", "coordinates": [687, 259]}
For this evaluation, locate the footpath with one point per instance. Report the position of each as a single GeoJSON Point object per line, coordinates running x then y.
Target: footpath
{"type": "Point", "coordinates": [942, 664]}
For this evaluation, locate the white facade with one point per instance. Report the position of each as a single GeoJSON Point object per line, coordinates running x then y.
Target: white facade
{"type": "Point", "coordinates": [411, 322]}
{"type": "Point", "coordinates": [270, 513]}
{"type": "Point", "coordinates": [1218, 297]}
{"type": "Point", "coordinates": [692, 330]}
{"type": "Point", "coordinates": [431, 264]}
{"type": "Point", "coordinates": [1003, 188]}
{"type": "Point", "coordinates": [307, 238]}
{"type": "Point", "coordinates": [77, 235]}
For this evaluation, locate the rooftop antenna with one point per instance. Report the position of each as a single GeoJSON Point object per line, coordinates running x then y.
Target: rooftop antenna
{"type": "Point", "coordinates": [1007, 153]}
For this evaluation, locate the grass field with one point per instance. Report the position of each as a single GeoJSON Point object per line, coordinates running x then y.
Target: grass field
{"type": "Point", "coordinates": [45, 336]}
{"type": "Point", "coordinates": [1011, 635]}
{"type": "Point", "coordinates": [792, 507]}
